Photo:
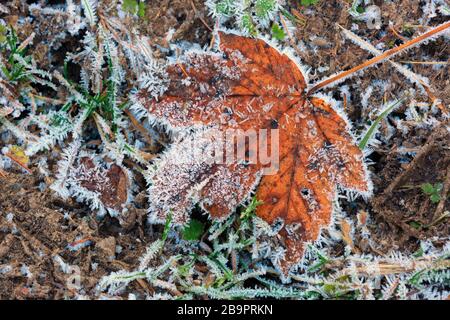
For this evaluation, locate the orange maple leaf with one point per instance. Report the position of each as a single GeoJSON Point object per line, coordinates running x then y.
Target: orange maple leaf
{"type": "Point", "coordinates": [251, 85]}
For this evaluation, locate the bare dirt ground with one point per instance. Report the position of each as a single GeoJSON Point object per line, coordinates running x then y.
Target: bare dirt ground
{"type": "Point", "coordinates": [36, 225]}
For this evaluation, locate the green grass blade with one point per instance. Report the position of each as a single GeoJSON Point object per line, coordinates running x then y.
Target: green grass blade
{"type": "Point", "coordinates": [365, 140]}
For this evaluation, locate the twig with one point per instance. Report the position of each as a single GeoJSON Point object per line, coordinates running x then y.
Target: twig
{"type": "Point", "coordinates": [26, 42]}
{"type": "Point", "coordinates": [214, 34]}
{"type": "Point", "coordinates": [183, 70]}
{"type": "Point", "coordinates": [291, 40]}
{"type": "Point", "coordinates": [406, 72]}
{"type": "Point", "coordinates": [438, 132]}
{"type": "Point", "coordinates": [434, 99]}
{"type": "Point", "coordinates": [46, 99]}
{"type": "Point", "coordinates": [200, 17]}
{"type": "Point", "coordinates": [424, 62]}
{"type": "Point", "coordinates": [392, 268]}
{"type": "Point", "coordinates": [397, 34]}
{"type": "Point", "coordinates": [346, 230]}
{"type": "Point", "coordinates": [140, 127]}
{"type": "Point", "coordinates": [345, 102]}
{"type": "Point", "coordinates": [301, 18]}
{"type": "Point", "coordinates": [385, 55]}
{"type": "Point", "coordinates": [16, 160]}
{"type": "Point", "coordinates": [80, 242]}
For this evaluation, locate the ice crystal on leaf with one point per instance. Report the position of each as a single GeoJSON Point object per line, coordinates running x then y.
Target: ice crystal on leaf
{"type": "Point", "coordinates": [105, 188]}
{"type": "Point", "coordinates": [231, 90]}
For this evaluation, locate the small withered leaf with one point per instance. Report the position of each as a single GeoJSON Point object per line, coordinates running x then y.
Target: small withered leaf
{"type": "Point", "coordinates": [251, 85]}
{"type": "Point", "coordinates": [111, 185]}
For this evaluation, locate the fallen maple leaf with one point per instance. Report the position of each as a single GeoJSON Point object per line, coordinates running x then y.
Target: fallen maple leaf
{"type": "Point", "coordinates": [251, 85]}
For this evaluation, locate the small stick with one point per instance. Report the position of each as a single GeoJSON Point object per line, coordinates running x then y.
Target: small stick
{"type": "Point", "coordinates": [406, 72]}
{"type": "Point", "coordinates": [182, 69]}
{"type": "Point", "coordinates": [200, 17]}
{"type": "Point", "coordinates": [102, 130]}
{"type": "Point", "coordinates": [234, 261]}
{"type": "Point", "coordinates": [291, 40]}
{"type": "Point", "coordinates": [425, 62]}
{"type": "Point", "coordinates": [393, 268]}
{"type": "Point", "coordinates": [79, 242]}
{"type": "Point", "coordinates": [397, 34]}
{"type": "Point", "coordinates": [16, 160]}
{"type": "Point", "coordinates": [105, 23]}
{"type": "Point", "coordinates": [140, 127]}
{"type": "Point", "coordinates": [26, 42]}
{"type": "Point", "coordinates": [301, 18]}
{"type": "Point", "coordinates": [434, 99]}
{"type": "Point", "coordinates": [33, 103]}
{"type": "Point", "coordinates": [213, 38]}
{"type": "Point", "coordinates": [385, 55]}
{"type": "Point", "coordinates": [429, 145]}
{"type": "Point", "coordinates": [346, 230]}
{"type": "Point", "coordinates": [345, 102]}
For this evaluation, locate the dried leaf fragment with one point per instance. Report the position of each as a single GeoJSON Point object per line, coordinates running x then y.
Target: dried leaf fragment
{"type": "Point", "coordinates": [104, 188]}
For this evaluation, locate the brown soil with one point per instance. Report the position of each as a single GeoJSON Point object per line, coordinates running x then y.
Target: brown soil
{"type": "Point", "coordinates": [36, 227]}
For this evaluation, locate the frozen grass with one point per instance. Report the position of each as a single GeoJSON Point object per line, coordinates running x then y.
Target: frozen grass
{"type": "Point", "coordinates": [235, 266]}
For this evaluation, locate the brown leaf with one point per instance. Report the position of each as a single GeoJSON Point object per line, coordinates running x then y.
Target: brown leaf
{"type": "Point", "coordinates": [110, 185]}
{"type": "Point", "coordinates": [250, 85]}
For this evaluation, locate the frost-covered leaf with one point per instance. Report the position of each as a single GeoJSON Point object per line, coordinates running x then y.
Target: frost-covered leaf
{"type": "Point", "coordinates": [102, 187]}
{"type": "Point", "coordinates": [250, 85]}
